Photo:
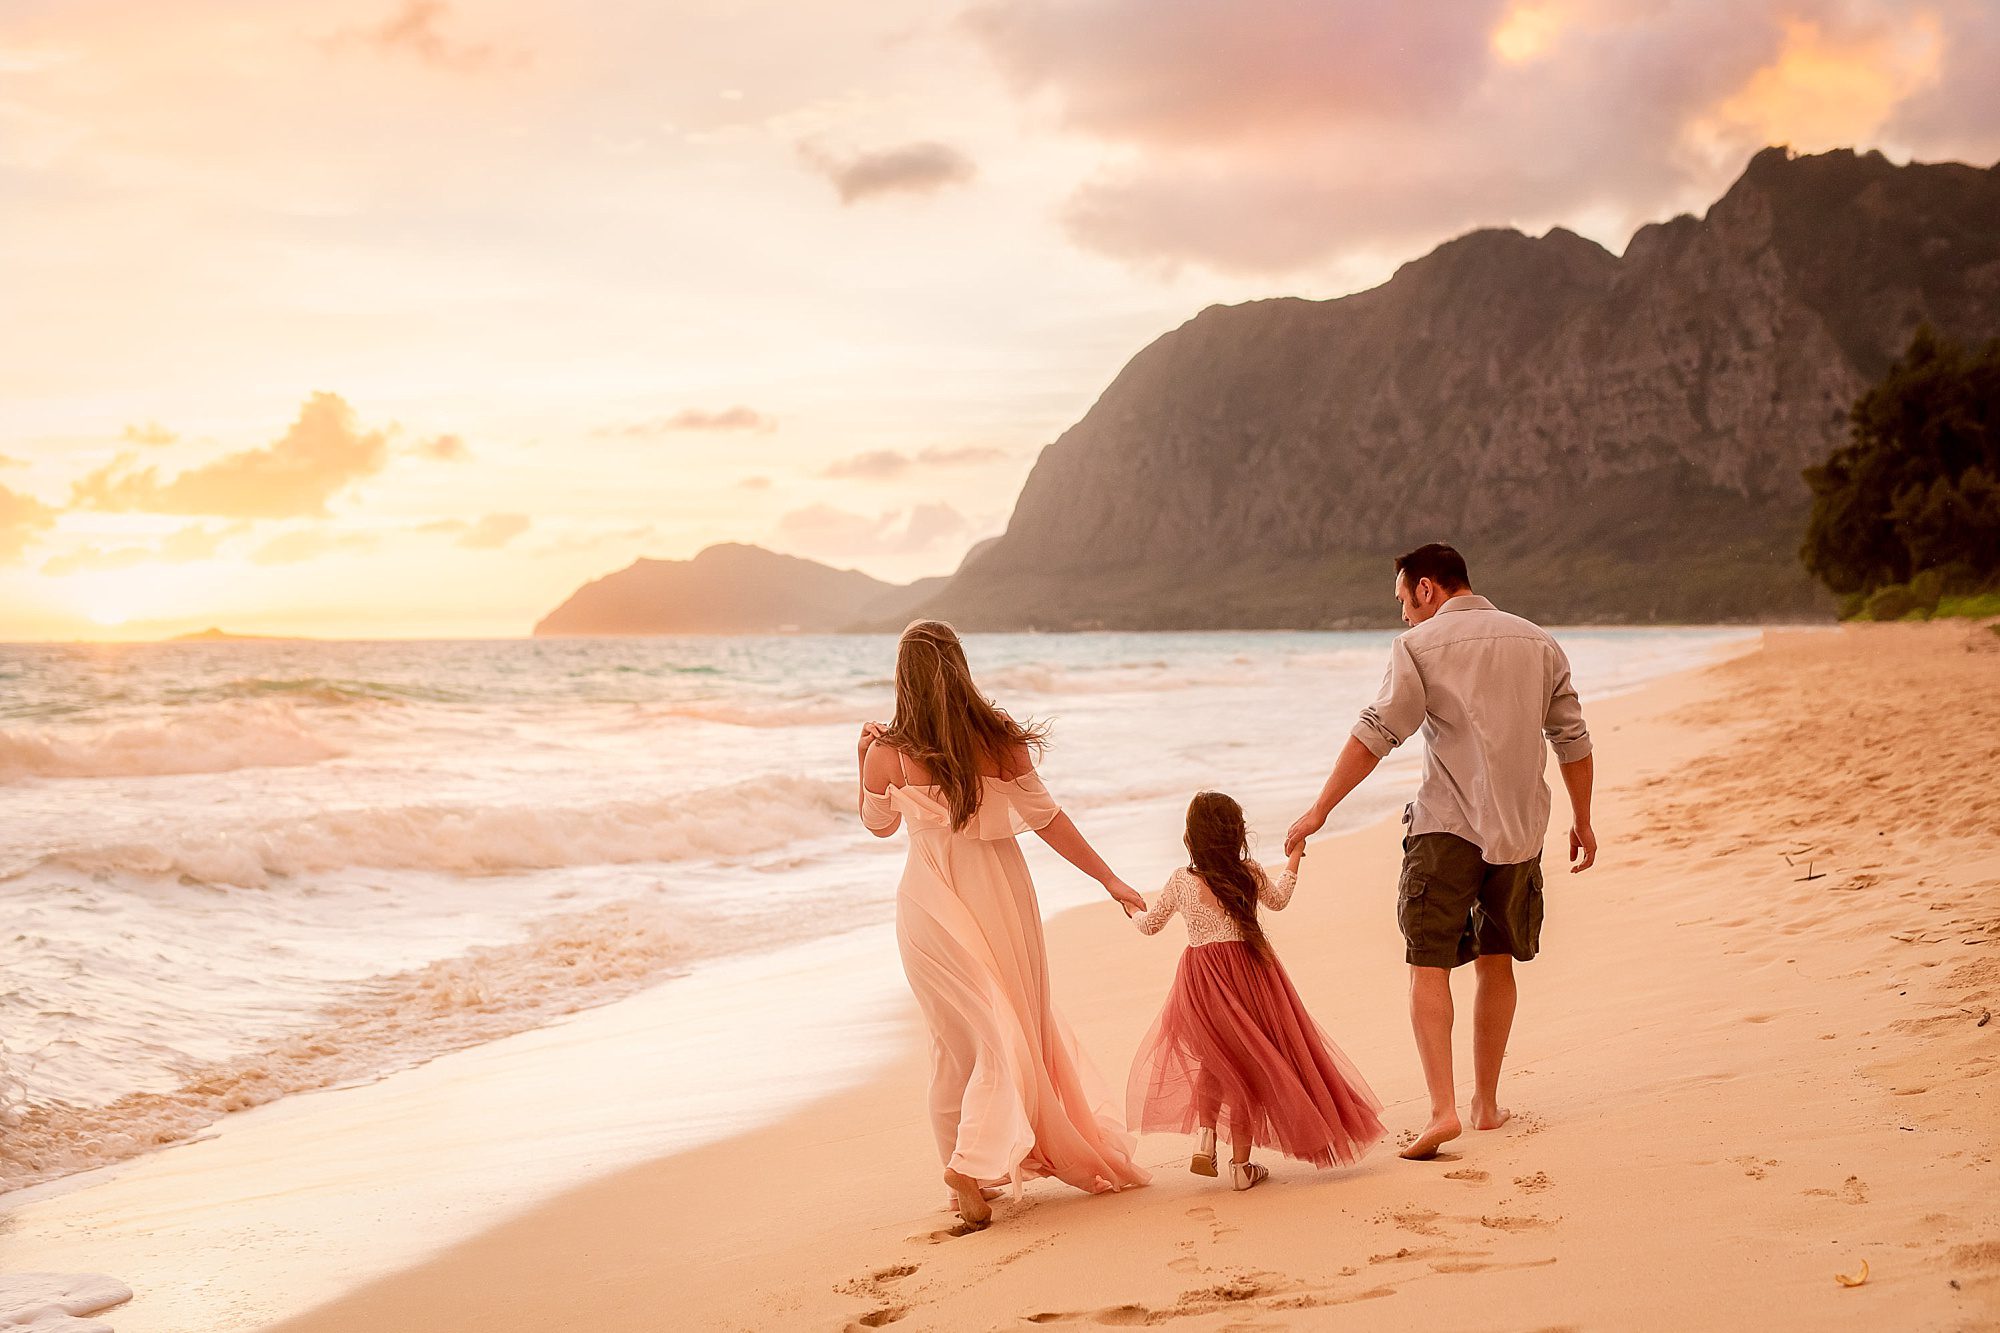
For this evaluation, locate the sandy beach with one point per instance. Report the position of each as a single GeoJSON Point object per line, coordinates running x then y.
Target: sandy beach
{"type": "Point", "coordinates": [1753, 1055]}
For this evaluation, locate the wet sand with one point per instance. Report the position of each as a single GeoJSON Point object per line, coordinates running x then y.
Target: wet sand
{"type": "Point", "coordinates": [1754, 1054]}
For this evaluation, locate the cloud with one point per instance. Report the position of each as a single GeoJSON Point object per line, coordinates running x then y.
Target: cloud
{"type": "Point", "coordinates": [1274, 136]}
{"type": "Point", "coordinates": [415, 30]}
{"type": "Point", "coordinates": [825, 530]}
{"type": "Point", "coordinates": [197, 541]}
{"type": "Point", "coordinates": [443, 449]}
{"type": "Point", "coordinates": [694, 418]}
{"type": "Point", "coordinates": [150, 433]}
{"type": "Point", "coordinates": [754, 484]}
{"type": "Point", "coordinates": [22, 519]}
{"type": "Point", "coordinates": [876, 465]}
{"type": "Point", "coordinates": [963, 455]}
{"type": "Point", "coordinates": [302, 544]}
{"type": "Point", "coordinates": [318, 457]}
{"type": "Point", "coordinates": [494, 531]}
{"type": "Point", "coordinates": [915, 168]}
{"type": "Point", "coordinates": [1191, 71]}
{"type": "Point", "coordinates": [881, 464]}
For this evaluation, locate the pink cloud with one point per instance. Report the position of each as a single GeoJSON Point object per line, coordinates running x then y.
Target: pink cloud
{"type": "Point", "coordinates": [1271, 136]}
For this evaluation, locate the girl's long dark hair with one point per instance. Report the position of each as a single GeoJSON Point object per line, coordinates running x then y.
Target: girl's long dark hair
{"type": "Point", "coordinates": [1218, 846]}
{"type": "Point", "coordinates": [943, 721]}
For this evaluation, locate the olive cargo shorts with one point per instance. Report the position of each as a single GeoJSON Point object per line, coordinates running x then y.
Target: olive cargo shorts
{"type": "Point", "coordinates": [1453, 906]}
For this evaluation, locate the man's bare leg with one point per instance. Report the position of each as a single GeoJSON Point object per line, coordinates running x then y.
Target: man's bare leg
{"type": "Point", "coordinates": [1430, 1019]}
{"type": "Point", "coordinates": [1492, 1020]}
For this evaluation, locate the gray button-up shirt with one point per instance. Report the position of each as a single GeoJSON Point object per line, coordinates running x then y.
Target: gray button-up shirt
{"type": "Point", "coordinates": [1486, 688]}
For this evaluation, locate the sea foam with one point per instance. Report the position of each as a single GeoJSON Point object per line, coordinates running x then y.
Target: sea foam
{"type": "Point", "coordinates": [213, 738]}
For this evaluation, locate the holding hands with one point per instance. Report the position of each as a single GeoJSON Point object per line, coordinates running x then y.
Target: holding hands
{"type": "Point", "coordinates": [1307, 824]}
{"type": "Point", "coordinates": [1124, 895]}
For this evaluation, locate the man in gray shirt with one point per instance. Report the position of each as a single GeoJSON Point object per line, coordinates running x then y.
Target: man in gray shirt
{"type": "Point", "coordinates": [1487, 689]}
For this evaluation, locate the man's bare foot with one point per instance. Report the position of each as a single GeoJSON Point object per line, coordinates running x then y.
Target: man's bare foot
{"type": "Point", "coordinates": [1436, 1134]}
{"type": "Point", "coordinates": [1485, 1115]}
{"type": "Point", "coordinates": [972, 1205]}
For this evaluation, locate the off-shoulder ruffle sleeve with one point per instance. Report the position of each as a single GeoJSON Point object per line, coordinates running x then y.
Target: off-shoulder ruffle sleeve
{"type": "Point", "coordinates": [1007, 808]}
{"type": "Point", "coordinates": [878, 809]}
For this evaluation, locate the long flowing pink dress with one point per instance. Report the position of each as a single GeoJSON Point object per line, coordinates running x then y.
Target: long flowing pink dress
{"type": "Point", "coordinates": [1234, 1047]}
{"type": "Point", "coordinates": [1011, 1095]}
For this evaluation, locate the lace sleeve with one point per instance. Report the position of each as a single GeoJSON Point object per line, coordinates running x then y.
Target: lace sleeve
{"type": "Point", "coordinates": [1161, 908]}
{"type": "Point", "coordinates": [1274, 894]}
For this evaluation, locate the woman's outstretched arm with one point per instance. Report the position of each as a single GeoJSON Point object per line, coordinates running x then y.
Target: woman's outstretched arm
{"type": "Point", "coordinates": [1069, 843]}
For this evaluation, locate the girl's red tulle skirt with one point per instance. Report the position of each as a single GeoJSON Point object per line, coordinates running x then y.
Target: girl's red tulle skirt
{"type": "Point", "coordinates": [1235, 1048]}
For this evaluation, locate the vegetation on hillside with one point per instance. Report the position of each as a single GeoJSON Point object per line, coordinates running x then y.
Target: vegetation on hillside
{"type": "Point", "coordinates": [1905, 520]}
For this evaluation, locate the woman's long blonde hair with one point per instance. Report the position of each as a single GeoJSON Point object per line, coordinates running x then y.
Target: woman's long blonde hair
{"type": "Point", "coordinates": [943, 721]}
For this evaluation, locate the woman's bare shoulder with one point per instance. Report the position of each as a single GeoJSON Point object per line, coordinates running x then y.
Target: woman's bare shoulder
{"type": "Point", "coordinates": [883, 768]}
{"type": "Point", "coordinates": [1016, 761]}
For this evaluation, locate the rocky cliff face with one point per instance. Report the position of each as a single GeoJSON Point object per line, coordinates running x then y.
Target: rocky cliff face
{"type": "Point", "coordinates": [1608, 438]}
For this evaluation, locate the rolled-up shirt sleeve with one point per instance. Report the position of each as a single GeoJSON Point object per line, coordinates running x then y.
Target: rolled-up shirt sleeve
{"type": "Point", "coordinates": [1399, 710]}
{"type": "Point", "coordinates": [1563, 722]}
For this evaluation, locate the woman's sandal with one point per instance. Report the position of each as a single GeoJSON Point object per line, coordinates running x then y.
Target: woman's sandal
{"type": "Point", "coordinates": [1204, 1154]}
{"type": "Point", "coordinates": [1242, 1175]}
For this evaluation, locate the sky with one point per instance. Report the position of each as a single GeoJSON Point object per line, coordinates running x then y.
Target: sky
{"type": "Point", "coordinates": [405, 317]}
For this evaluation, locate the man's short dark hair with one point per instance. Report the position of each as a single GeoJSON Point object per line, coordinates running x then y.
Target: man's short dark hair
{"type": "Point", "coordinates": [1441, 564]}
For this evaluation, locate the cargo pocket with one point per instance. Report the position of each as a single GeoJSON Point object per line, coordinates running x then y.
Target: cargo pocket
{"type": "Point", "coordinates": [1533, 943]}
{"type": "Point", "coordinates": [1410, 906]}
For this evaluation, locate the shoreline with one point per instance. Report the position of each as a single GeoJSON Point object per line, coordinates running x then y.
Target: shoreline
{"type": "Point", "coordinates": [782, 1223]}
{"type": "Point", "coordinates": [1669, 1085]}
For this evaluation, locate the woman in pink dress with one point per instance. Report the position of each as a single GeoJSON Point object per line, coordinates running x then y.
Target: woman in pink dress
{"type": "Point", "coordinates": [1011, 1095]}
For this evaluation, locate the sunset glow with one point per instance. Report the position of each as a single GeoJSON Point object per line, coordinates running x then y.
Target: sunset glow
{"type": "Point", "coordinates": [422, 314]}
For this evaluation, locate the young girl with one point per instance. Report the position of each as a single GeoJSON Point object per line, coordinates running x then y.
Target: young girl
{"type": "Point", "coordinates": [1234, 1049]}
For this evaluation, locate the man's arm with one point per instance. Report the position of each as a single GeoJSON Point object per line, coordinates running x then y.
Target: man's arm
{"type": "Point", "coordinates": [1392, 719]}
{"type": "Point", "coordinates": [1563, 725]}
{"type": "Point", "coordinates": [1356, 762]}
{"type": "Point", "coordinates": [1577, 778]}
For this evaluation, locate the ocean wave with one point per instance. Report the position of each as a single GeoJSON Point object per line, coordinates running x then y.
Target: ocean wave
{"type": "Point", "coordinates": [314, 689]}
{"type": "Point", "coordinates": [566, 963]}
{"type": "Point", "coordinates": [218, 738]}
{"type": "Point", "coordinates": [1107, 678]}
{"type": "Point", "coordinates": [824, 711]}
{"type": "Point", "coordinates": [744, 818]}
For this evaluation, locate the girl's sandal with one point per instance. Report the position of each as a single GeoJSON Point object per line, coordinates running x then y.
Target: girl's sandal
{"type": "Point", "coordinates": [1203, 1163]}
{"type": "Point", "coordinates": [1242, 1175]}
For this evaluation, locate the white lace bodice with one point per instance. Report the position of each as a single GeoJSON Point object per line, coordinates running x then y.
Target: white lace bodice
{"type": "Point", "coordinates": [1207, 923]}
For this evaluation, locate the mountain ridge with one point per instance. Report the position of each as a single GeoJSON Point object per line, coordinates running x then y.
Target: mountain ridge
{"type": "Point", "coordinates": [1611, 438]}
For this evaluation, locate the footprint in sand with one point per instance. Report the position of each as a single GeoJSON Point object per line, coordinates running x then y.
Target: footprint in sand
{"type": "Point", "coordinates": [1529, 1223]}
{"type": "Point", "coordinates": [1423, 1221]}
{"type": "Point", "coordinates": [1534, 1184]}
{"type": "Point", "coordinates": [877, 1287]}
{"type": "Point", "coordinates": [1754, 1167]}
{"type": "Point", "coordinates": [1467, 1173]}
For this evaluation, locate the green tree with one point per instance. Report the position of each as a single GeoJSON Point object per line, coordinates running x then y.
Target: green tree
{"type": "Point", "coordinates": [1917, 486]}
